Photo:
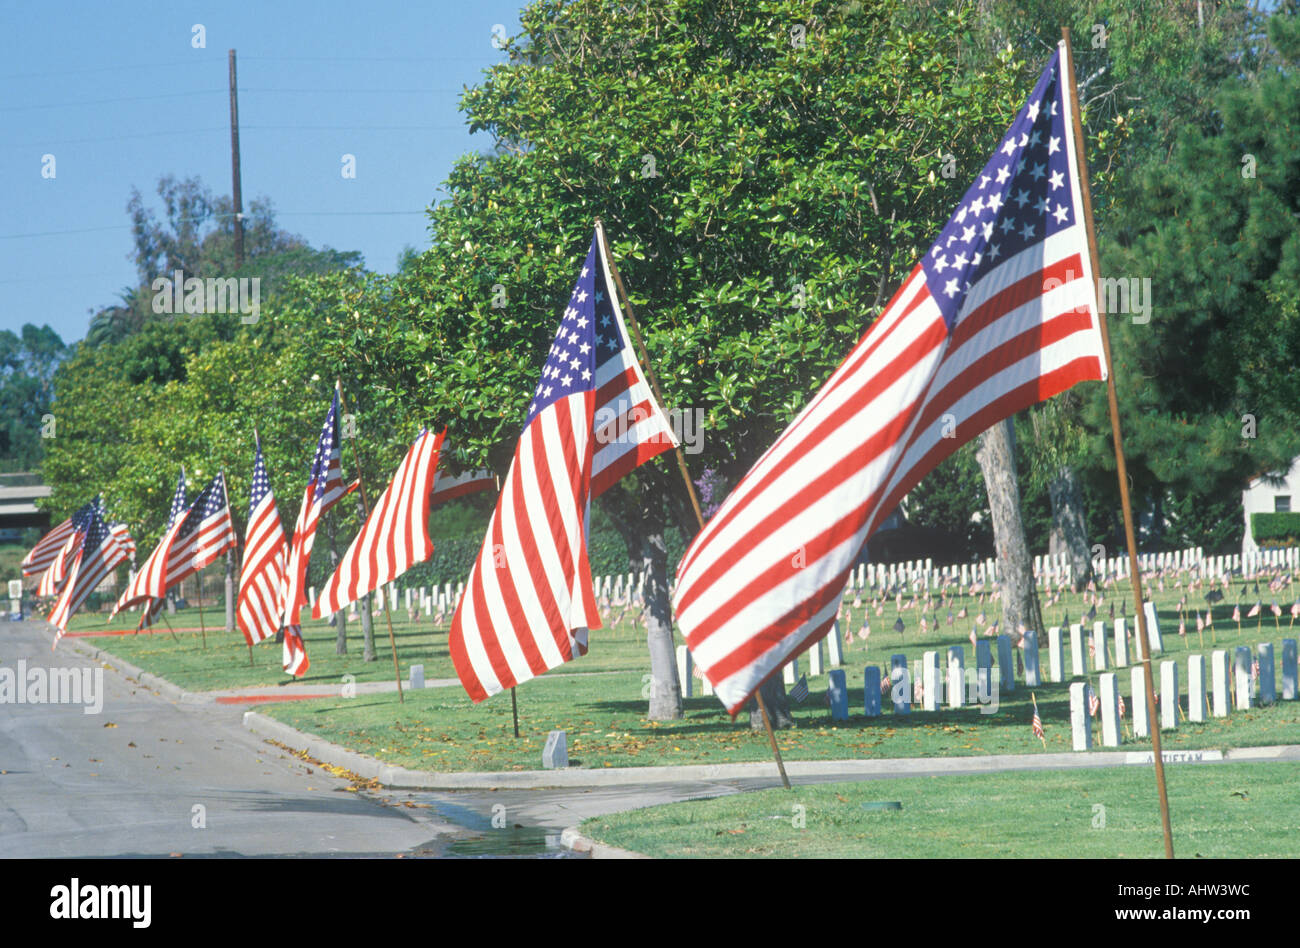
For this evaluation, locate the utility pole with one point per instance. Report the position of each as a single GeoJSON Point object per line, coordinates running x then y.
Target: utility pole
{"type": "Point", "coordinates": [236, 194]}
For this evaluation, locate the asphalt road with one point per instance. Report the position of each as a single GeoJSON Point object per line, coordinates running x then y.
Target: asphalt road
{"type": "Point", "coordinates": [147, 777]}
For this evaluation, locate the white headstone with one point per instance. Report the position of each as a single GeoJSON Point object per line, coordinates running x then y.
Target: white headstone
{"type": "Point", "coordinates": [1078, 653]}
{"type": "Point", "coordinates": [1196, 693]}
{"type": "Point", "coordinates": [1110, 733]}
{"type": "Point", "coordinates": [791, 671]}
{"type": "Point", "coordinates": [417, 676]}
{"type": "Point", "coordinates": [1033, 674]}
{"type": "Point", "coordinates": [1055, 655]}
{"type": "Point", "coordinates": [1099, 645]}
{"type": "Point", "coordinates": [1139, 702]}
{"type": "Point", "coordinates": [1219, 673]}
{"type": "Point", "coordinates": [835, 645]}
{"type": "Point", "coordinates": [1121, 643]}
{"type": "Point", "coordinates": [931, 683]}
{"type": "Point", "coordinates": [815, 659]}
{"type": "Point", "coordinates": [984, 668]}
{"type": "Point", "coordinates": [1153, 627]}
{"type": "Point", "coordinates": [1241, 671]}
{"type": "Point", "coordinates": [1080, 726]}
{"type": "Point", "coordinates": [685, 665]}
{"type": "Point", "coordinates": [1168, 695]}
{"type": "Point", "coordinates": [956, 676]}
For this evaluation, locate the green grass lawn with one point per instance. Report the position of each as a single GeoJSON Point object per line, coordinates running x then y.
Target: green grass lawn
{"type": "Point", "coordinates": [1217, 810]}
{"type": "Point", "coordinates": [604, 715]}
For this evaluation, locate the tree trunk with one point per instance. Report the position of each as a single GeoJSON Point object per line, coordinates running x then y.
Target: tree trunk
{"type": "Point", "coordinates": [1068, 522]}
{"type": "Point", "coordinates": [778, 705]}
{"type": "Point", "coordinates": [665, 689]}
{"type": "Point", "coordinates": [997, 460]}
{"type": "Point", "coordinates": [367, 628]}
{"type": "Point", "coordinates": [642, 528]}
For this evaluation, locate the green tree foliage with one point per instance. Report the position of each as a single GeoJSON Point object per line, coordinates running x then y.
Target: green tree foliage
{"type": "Point", "coordinates": [28, 361]}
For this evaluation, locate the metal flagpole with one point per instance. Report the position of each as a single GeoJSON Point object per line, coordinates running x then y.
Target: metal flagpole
{"type": "Point", "coordinates": [1135, 570]}
{"type": "Point", "coordinates": [383, 594]}
{"type": "Point", "coordinates": [681, 461]}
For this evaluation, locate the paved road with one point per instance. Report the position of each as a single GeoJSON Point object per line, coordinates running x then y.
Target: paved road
{"type": "Point", "coordinates": [126, 781]}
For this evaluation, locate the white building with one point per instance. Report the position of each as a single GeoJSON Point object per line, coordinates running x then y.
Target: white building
{"type": "Point", "coordinates": [1268, 495]}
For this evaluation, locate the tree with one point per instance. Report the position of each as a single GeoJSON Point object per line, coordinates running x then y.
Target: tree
{"type": "Point", "coordinates": [28, 361]}
{"type": "Point", "coordinates": [764, 187]}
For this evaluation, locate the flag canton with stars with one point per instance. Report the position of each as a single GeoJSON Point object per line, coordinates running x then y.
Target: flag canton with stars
{"type": "Point", "coordinates": [588, 335]}
{"type": "Point", "coordinates": [178, 501]}
{"type": "Point", "coordinates": [1022, 196]}
{"type": "Point", "coordinates": [261, 484]}
{"type": "Point", "coordinates": [96, 530]}
{"type": "Point", "coordinates": [325, 447]}
{"type": "Point", "coordinates": [206, 504]}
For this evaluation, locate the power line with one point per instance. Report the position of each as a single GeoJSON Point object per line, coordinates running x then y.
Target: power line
{"type": "Point", "coordinates": [134, 98]}
{"type": "Point", "coordinates": [90, 230]}
{"type": "Point", "coordinates": [260, 128]}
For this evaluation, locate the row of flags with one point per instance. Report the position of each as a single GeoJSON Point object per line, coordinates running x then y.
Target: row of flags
{"type": "Point", "coordinates": [999, 313]}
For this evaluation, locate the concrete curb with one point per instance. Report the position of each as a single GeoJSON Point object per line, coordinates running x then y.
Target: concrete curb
{"type": "Point", "coordinates": [402, 778]}
{"type": "Point", "coordinates": [571, 839]}
{"type": "Point", "coordinates": [147, 679]}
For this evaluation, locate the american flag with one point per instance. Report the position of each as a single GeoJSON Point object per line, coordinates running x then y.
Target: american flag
{"type": "Point", "coordinates": [450, 486]}
{"type": "Point", "coordinates": [52, 580]}
{"type": "Point", "coordinates": [99, 555]}
{"type": "Point", "coordinates": [999, 314]}
{"type": "Point", "coordinates": [799, 693]}
{"type": "Point", "coordinates": [207, 532]}
{"type": "Point", "coordinates": [529, 601]}
{"type": "Point", "coordinates": [123, 537]}
{"type": "Point", "coordinates": [396, 534]}
{"type": "Point", "coordinates": [43, 554]}
{"type": "Point", "coordinates": [259, 608]}
{"type": "Point", "coordinates": [1094, 703]}
{"type": "Point", "coordinates": [324, 489]}
{"type": "Point", "coordinates": [149, 584]}
{"type": "Point", "coordinates": [1037, 725]}
{"type": "Point", "coordinates": [1121, 706]}
{"type": "Point", "coordinates": [1254, 610]}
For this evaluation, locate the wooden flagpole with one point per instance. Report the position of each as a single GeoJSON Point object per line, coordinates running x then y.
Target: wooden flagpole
{"type": "Point", "coordinates": [1135, 570]}
{"type": "Point", "coordinates": [681, 460]}
{"type": "Point", "coordinates": [514, 709]}
{"type": "Point", "coordinates": [365, 508]}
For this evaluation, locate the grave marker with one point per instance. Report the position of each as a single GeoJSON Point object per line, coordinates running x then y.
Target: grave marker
{"type": "Point", "coordinates": [1055, 655]}
{"type": "Point", "coordinates": [1141, 727]}
{"type": "Point", "coordinates": [1290, 684]}
{"type": "Point", "coordinates": [835, 646]}
{"type": "Point", "coordinates": [1077, 666]}
{"type": "Point", "coordinates": [984, 667]}
{"type": "Point", "coordinates": [1241, 671]}
{"type": "Point", "coordinates": [1006, 663]}
{"type": "Point", "coordinates": [1196, 688]}
{"type": "Point", "coordinates": [1219, 681]}
{"type": "Point", "coordinates": [931, 683]}
{"type": "Point", "coordinates": [555, 755]}
{"type": "Point", "coordinates": [1033, 674]}
{"type": "Point", "coordinates": [956, 676]}
{"type": "Point", "coordinates": [1121, 644]}
{"type": "Point", "coordinates": [900, 685]}
{"type": "Point", "coordinates": [838, 691]}
{"type": "Point", "coordinates": [815, 659]}
{"type": "Point", "coordinates": [1168, 695]}
{"type": "Point", "coordinates": [685, 665]}
{"type": "Point", "coordinates": [1080, 726]}
{"type": "Point", "coordinates": [1267, 689]}
{"type": "Point", "coordinates": [1099, 645]}
{"type": "Point", "coordinates": [1110, 734]}
{"type": "Point", "coordinates": [871, 691]}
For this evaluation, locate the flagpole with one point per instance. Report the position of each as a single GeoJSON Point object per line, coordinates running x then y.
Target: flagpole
{"type": "Point", "coordinates": [365, 508]}
{"type": "Point", "coordinates": [1144, 644]}
{"type": "Point", "coordinates": [681, 463]}
{"type": "Point", "coordinates": [514, 709]}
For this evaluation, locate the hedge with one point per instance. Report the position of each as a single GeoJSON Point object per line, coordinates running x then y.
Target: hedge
{"type": "Point", "coordinates": [1275, 529]}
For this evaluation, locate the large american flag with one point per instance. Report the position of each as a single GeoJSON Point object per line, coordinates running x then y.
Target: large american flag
{"type": "Point", "coordinates": [395, 535]}
{"type": "Point", "coordinates": [99, 554]}
{"type": "Point", "coordinates": [259, 609]}
{"type": "Point", "coordinates": [324, 489]}
{"type": "Point", "coordinates": [206, 533]}
{"type": "Point", "coordinates": [1000, 313]}
{"type": "Point", "coordinates": [529, 601]}
{"type": "Point", "coordinates": [149, 584]}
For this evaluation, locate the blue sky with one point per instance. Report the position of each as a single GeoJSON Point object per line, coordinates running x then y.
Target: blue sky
{"type": "Point", "coordinates": [117, 93]}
